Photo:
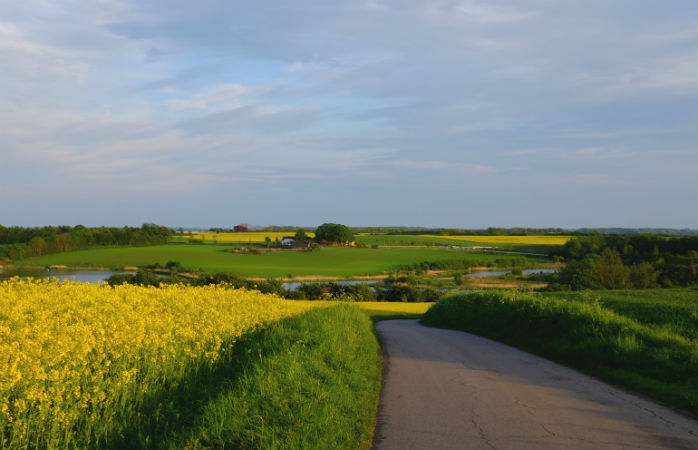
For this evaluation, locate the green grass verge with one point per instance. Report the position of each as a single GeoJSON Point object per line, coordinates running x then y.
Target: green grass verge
{"type": "Point", "coordinates": [329, 261]}
{"type": "Point", "coordinates": [582, 334]}
{"type": "Point", "coordinates": [675, 310]}
{"type": "Point", "coordinates": [311, 381]}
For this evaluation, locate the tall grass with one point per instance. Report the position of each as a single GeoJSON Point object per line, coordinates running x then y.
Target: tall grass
{"type": "Point", "coordinates": [311, 381]}
{"type": "Point", "coordinates": [675, 310]}
{"type": "Point", "coordinates": [583, 335]}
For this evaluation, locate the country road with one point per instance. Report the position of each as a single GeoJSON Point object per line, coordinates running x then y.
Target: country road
{"type": "Point", "coordinates": [446, 389]}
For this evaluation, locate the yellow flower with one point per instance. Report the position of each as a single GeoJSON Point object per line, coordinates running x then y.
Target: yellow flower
{"type": "Point", "coordinates": [74, 352]}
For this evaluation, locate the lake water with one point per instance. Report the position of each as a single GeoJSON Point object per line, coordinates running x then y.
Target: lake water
{"type": "Point", "coordinates": [491, 273]}
{"type": "Point", "coordinates": [97, 276]}
{"type": "Point", "coordinates": [82, 276]}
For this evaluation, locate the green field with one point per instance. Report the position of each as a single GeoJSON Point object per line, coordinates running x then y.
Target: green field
{"type": "Point", "coordinates": [328, 261]}
{"type": "Point", "coordinates": [414, 240]}
{"type": "Point", "coordinates": [644, 340]}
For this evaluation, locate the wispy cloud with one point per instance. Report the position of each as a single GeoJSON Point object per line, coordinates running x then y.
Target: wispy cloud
{"type": "Point", "coordinates": [440, 165]}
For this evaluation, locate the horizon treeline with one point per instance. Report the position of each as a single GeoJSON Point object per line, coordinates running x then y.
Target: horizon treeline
{"type": "Point", "coordinates": [23, 242]}
{"type": "Point", "coordinates": [621, 261]}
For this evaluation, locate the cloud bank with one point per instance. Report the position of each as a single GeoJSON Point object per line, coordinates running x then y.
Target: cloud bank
{"type": "Point", "coordinates": [451, 113]}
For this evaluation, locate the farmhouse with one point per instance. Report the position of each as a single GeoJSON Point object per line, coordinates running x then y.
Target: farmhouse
{"type": "Point", "coordinates": [287, 241]}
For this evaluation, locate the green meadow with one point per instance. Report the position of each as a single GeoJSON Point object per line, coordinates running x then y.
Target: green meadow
{"type": "Point", "coordinates": [327, 262]}
{"type": "Point", "coordinates": [414, 240]}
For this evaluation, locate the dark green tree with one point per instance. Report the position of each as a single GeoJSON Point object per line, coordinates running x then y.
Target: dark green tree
{"type": "Point", "coordinates": [334, 232]}
{"type": "Point", "coordinates": [300, 235]}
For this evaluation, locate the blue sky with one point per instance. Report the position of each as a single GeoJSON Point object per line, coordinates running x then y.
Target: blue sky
{"type": "Point", "coordinates": [419, 113]}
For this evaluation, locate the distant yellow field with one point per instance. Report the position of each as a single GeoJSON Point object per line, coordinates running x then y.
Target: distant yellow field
{"type": "Point", "coordinates": [384, 307]}
{"type": "Point", "coordinates": [246, 237]}
{"type": "Point", "coordinates": [532, 240]}
{"type": "Point", "coordinates": [395, 307]}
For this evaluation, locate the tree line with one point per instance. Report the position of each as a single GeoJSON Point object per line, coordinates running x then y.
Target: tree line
{"type": "Point", "coordinates": [620, 261]}
{"type": "Point", "coordinates": [24, 242]}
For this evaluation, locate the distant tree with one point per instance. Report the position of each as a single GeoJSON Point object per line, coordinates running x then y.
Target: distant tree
{"type": "Point", "coordinates": [37, 246]}
{"type": "Point", "coordinates": [63, 242]}
{"type": "Point", "coordinates": [334, 232]}
{"type": "Point", "coordinates": [300, 235]}
{"type": "Point", "coordinates": [611, 271]}
{"type": "Point", "coordinates": [16, 251]}
{"type": "Point", "coordinates": [643, 276]}
{"type": "Point", "coordinates": [267, 241]}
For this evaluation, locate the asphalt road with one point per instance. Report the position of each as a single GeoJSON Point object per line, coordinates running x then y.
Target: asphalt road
{"type": "Point", "coordinates": [445, 389]}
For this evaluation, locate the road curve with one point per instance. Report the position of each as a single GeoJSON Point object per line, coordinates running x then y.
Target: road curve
{"type": "Point", "coordinates": [445, 389]}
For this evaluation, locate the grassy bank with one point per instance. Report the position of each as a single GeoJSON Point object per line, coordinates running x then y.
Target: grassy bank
{"type": "Point", "coordinates": [618, 347]}
{"type": "Point", "coordinates": [308, 382]}
{"type": "Point", "coordinates": [328, 262]}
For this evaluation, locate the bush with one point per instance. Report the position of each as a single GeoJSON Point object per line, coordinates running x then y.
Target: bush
{"type": "Point", "coordinates": [397, 293]}
{"type": "Point", "coordinates": [120, 278]}
{"type": "Point", "coordinates": [146, 278]}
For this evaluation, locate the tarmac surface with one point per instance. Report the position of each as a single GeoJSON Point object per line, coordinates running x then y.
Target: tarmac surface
{"type": "Point", "coordinates": [446, 389]}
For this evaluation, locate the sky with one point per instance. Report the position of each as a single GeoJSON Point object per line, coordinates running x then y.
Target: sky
{"type": "Point", "coordinates": [463, 113]}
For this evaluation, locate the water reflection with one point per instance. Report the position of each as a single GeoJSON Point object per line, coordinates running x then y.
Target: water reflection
{"type": "Point", "coordinates": [82, 276]}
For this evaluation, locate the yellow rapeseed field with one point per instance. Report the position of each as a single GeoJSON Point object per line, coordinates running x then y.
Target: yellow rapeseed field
{"type": "Point", "coordinates": [72, 355]}
{"type": "Point", "coordinates": [382, 307]}
{"type": "Point", "coordinates": [246, 237]}
{"type": "Point", "coordinates": [395, 307]}
{"type": "Point", "coordinates": [524, 240]}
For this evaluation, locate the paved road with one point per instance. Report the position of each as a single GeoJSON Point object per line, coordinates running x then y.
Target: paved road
{"type": "Point", "coordinates": [446, 389]}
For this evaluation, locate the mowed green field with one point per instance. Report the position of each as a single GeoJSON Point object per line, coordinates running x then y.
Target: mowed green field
{"type": "Point", "coordinates": [328, 261]}
{"type": "Point", "coordinates": [526, 244]}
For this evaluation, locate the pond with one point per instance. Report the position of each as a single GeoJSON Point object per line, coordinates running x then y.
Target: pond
{"type": "Point", "coordinates": [82, 276]}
